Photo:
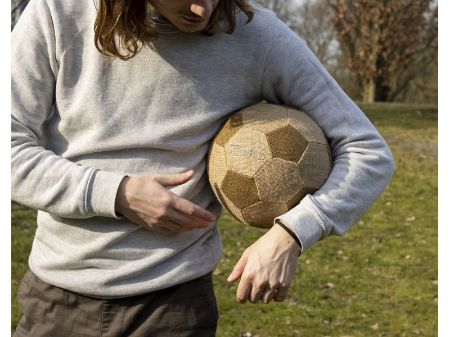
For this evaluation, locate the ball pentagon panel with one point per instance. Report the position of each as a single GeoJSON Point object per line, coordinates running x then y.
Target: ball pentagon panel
{"type": "Point", "coordinates": [227, 203]}
{"type": "Point", "coordinates": [243, 196]}
{"type": "Point", "coordinates": [286, 143]}
{"type": "Point", "coordinates": [262, 213]}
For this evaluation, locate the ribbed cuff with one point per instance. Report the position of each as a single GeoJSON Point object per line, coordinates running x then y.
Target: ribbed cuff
{"type": "Point", "coordinates": [304, 221]}
{"type": "Point", "coordinates": [291, 233]}
{"type": "Point", "coordinates": [101, 194]}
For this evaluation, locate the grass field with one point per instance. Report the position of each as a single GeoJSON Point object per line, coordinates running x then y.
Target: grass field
{"type": "Point", "coordinates": [378, 280]}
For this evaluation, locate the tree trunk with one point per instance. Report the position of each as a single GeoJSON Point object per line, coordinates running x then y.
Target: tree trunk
{"type": "Point", "coordinates": [368, 91]}
{"type": "Point", "coordinates": [382, 91]}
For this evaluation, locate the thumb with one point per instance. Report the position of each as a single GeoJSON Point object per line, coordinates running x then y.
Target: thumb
{"type": "Point", "coordinates": [174, 179]}
{"type": "Point", "coordinates": [238, 268]}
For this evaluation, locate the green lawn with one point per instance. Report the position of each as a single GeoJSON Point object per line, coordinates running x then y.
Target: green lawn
{"type": "Point", "coordinates": [378, 280]}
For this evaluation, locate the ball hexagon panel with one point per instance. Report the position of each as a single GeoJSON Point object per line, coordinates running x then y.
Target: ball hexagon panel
{"type": "Point", "coordinates": [315, 165]}
{"type": "Point", "coordinates": [240, 189]}
{"type": "Point", "coordinates": [247, 151]}
{"type": "Point", "coordinates": [265, 117]}
{"type": "Point", "coordinates": [262, 213]}
{"type": "Point", "coordinates": [217, 167]}
{"type": "Point", "coordinates": [306, 126]}
{"type": "Point", "coordinates": [278, 180]}
{"type": "Point", "coordinates": [230, 207]}
{"type": "Point", "coordinates": [286, 143]}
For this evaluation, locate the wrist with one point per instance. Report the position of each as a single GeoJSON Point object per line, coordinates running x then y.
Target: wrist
{"type": "Point", "coordinates": [121, 196]}
{"type": "Point", "coordinates": [297, 244]}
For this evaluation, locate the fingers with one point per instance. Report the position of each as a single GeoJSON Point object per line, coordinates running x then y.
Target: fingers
{"type": "Point", "coordinates": [168, 227]}
{"type": "Point", "coordinates": [183, 205]}
{"type": "Point", "coordinates": [253, 288]}
{"type": "Point", "coordinates": [165, 224]}
{"type": "Point", "coordinates": [147, 202]}
{"type": "Point", "coordinates": [174, 179]}
{"type": "Point", "coordinates": [187, 215]}
{"type": "Point", "coordinates": [243, 291]}
{"type": "Point", "coordinates": [264, 293]}
{"type": "Point", "coordinates": [268, 296]}
{"type": "Point", "coordinates": [191, 209]}
{"type": "Point", "coordinates": [245, 284]}
{"type": "Point", "coordinates": [265, 270]}
{"type": "Point", "coordinates": [163, 227]}
{"type": "Point", "coordinates": [238, 268]}
{"type": "Point", "coordinates": [257, 293]}
{"type": "Point", "coordinates": [281, 294]}
{"type": "Point", "coordinates": [186, 221]}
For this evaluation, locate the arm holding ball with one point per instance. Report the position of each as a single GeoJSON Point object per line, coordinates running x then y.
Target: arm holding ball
{"type": "Point", "coordinates": [294, 77]}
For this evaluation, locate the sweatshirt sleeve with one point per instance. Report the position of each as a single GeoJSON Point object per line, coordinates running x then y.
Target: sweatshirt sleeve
{"type": "Point", "coordinates": [362, 162]}
{"type": "Point", "coordinates": [40, 178]}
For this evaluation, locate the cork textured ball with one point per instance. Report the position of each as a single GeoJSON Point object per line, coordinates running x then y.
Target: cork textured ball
{"type": "Point", "coordinates": [264, 160]}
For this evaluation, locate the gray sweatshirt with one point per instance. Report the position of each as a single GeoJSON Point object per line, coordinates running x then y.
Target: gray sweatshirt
{"type": "Point", "coordinates": [82, 121]}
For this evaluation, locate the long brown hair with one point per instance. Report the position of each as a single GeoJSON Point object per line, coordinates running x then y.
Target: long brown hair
{"type": "Point", "coordinates": [122, 29]}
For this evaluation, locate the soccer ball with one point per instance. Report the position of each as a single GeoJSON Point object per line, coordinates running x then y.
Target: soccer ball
{"type": "Point", "coordinates": [264, 160]}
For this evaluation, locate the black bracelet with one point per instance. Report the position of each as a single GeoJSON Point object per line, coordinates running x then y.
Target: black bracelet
{"type": "Point", "coordinates": [291, 233]}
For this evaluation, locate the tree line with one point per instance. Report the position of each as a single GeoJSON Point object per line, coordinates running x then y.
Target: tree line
{"type": "Point", "coordinates": [377, 50]}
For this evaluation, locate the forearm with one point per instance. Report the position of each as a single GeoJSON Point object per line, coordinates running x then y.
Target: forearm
{"type": "Point", "coordinates": [362, 167]}
{"type": "Point", "coordinates": [350, 190]}
{"type": "Point", "coordinates": [362, 162]}
{"type": "Point", "coordinates": [42, 180]}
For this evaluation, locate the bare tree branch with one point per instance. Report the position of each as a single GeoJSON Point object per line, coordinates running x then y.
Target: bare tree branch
{"type": "Point", "coordinates": [382, 39]}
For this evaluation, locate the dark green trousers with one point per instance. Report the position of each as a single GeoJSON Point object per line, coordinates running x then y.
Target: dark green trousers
{"type": "Point", "coordinates": [188, 309]}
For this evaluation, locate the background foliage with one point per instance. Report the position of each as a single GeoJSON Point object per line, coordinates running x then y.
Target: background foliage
{"type": "Point", "coordinates": [377, 50]}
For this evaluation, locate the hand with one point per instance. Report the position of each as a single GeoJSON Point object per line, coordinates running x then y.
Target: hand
{"type": "Point", "coordinates": [266, 267]}
{"type": "Point", "coordinates": [145, 201]}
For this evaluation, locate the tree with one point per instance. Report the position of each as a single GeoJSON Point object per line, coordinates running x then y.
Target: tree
{"type": "Point", "coordinates": [311, 20]}
{"type": "Point", "coordinates": [381, 39]}
{"type": "Point", "coordinates": [418, 83]}
{"type": "Point", "coordinates": [283, 9]}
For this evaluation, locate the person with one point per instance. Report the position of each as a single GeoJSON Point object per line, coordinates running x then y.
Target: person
{"type": "Point", "coordinates": [114, 105]}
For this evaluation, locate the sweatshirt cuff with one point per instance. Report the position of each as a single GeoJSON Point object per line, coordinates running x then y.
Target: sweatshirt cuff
{"type": "Point", "coordinates": [304, 222]}
{"type": "Point", "coordinates": [101, 195]}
